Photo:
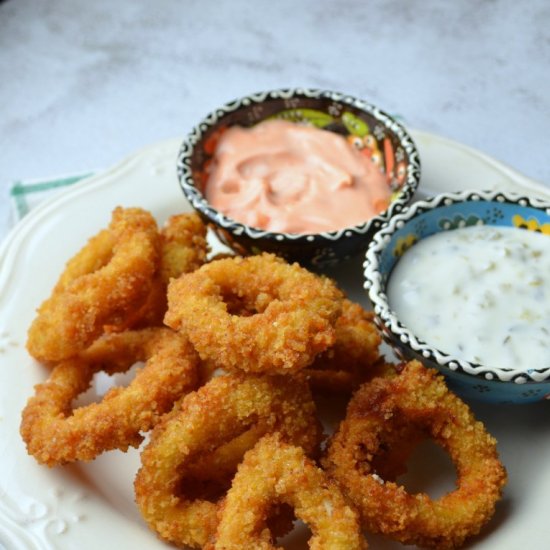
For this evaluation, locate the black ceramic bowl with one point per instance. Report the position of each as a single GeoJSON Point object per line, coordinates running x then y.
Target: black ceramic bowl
{"type": "Point", "coordinates": [324, 109]}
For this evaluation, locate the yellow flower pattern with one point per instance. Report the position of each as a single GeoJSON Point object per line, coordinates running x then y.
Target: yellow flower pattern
{"type": "Point", "coordinates": [404, 243]}
{"type": "Point", "coordinates": [531, 224]}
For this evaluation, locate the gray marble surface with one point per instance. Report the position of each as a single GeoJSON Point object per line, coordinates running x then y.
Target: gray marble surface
{"type": "Point", "coordinates": [83, 84]}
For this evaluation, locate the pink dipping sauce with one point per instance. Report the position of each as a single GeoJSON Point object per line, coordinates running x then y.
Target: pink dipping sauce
{"type": "Point", "coordinates": [284, 177]}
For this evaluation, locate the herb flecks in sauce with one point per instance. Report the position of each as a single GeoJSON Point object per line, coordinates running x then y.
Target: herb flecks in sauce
{"type": "Point", "coordinates": [479, 293]}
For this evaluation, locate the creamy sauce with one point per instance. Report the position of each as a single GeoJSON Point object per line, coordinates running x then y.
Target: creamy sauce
{"type": "Point", "coordinates": [286, 177]}
{"type": "Point", "coordinates": [478, 293]}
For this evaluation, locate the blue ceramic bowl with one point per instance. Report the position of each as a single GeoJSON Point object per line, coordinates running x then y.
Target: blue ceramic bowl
{"type": "Point", "coordinates": [444, 213]}
{"type": "Point", "coordinates": [328, 110]}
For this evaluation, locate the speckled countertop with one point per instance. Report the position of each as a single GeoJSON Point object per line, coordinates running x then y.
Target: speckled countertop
{"type": "Point", "coordinates": [83, 84]}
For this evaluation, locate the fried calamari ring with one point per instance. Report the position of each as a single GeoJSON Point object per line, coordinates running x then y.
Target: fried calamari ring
{"type": "Point", "coordinates": [183, 249]}
{"type": "Point", "coordinates": [276, 472]}
{"type": "Point", "coordinates": [183, 246]}
{"type": "Point", "coordinates": [207, 422]}
{"type": "Point", "coordinates": [108, 279]}
{"type": "Point", "coordinates": [353, 357]}
{"type": "Point", "coordinates": [258, 314]}
{"type": "Point", "coordinates": [417, 397]}
{"type": "Point", "coordinates": [55, 434]}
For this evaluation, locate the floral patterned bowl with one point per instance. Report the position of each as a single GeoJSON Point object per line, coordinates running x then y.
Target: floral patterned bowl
{"type": "Point", "coordinates": [389, 142]}
{"type": "Point", "coordinates": [443, 213]}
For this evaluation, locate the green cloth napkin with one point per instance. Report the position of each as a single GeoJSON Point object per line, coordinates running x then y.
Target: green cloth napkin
{"type": "Point", "coordinates": [27, 194]}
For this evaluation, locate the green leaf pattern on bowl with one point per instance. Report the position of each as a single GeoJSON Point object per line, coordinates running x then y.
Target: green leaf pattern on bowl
{"type": "Point", "coordinates": [316, 118]}
{"type": "Point", "coordinates": [354, 125]}
{"type": "Point", "coordinates": [460, 221]}
{"type": "Point", "coordinates": [351, 123]}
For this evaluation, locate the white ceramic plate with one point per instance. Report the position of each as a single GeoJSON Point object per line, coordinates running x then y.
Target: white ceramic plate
{"type": "Point", "coordinates": [90, 506]}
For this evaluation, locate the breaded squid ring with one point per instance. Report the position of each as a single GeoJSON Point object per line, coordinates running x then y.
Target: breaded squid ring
{"type": "Point", "coordinates": [417, 397]}
{"type": "Point", "coordinates": [183, 249]}
{"type": "Point", "coordinates": [108, 279]}
{"type": "Point", "coordinates": [257, 314]}
{"type": "Point", "coordinates": [55, 434]}
{"type": "Point", "coordinates": [276, 472]}
{"type": "Point", "coordinates": [353, 357]}
{"type": "Point", "coordinates": [183, 246]}
{"type": "Point", "coordinates": [206, 423]}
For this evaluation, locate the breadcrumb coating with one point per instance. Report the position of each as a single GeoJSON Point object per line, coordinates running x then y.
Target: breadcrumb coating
{"type": "Point", "coordinates": [205, 422]}
{"type": "Point", "coordinates": [417, 397]}
{"type": "Point", "coordinates": [56, 434]}
{"type": "Point", "coordinates": [107, 279]}
{"type": "Point", "coordinates": [257, 314]}
{"type": "Point", "coordinates": [275, 472]}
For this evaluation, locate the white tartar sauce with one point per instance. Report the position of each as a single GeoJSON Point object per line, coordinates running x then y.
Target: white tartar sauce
{"type": "Point", "coordinates": [479, 293]}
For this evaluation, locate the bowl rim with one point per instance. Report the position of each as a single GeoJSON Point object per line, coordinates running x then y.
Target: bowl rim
{"type": "Point", "coordinates": [387, 319]}
{"type": "Point", "coordinates": [198, 200]}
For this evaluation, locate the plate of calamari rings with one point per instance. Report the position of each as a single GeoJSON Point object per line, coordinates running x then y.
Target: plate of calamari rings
{"type": "Point", "coordinates": [168, 393]}
{"type": "Point", "coordinates": [233, 351]}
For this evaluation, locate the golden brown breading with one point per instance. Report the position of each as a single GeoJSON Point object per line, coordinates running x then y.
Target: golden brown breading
{"type": "Point", "coordinates": [205, 423]}
{"type": "Point", "coordinates": [107, 280]}
{"type": "Point", "coordinates": [419, 398]}
{"type": "Point", "coordinates": [353, 357]}
{"type": "Point", "coordinates": [274, 472]}
{"type": "Point", "coordinates": [56, 434]}
{"type": "Point", "coordinates": [257, 314]}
